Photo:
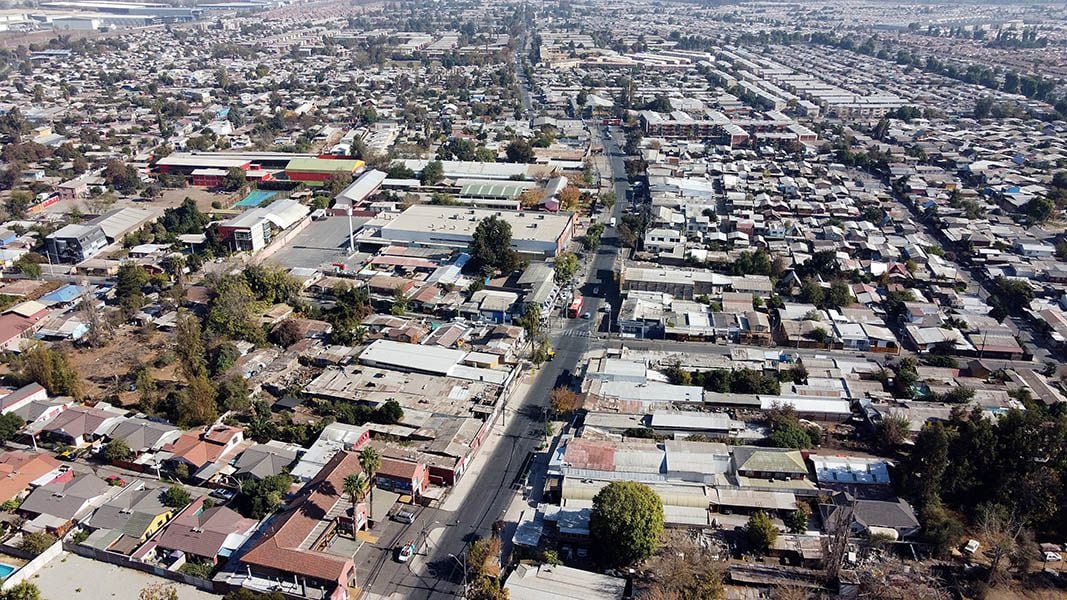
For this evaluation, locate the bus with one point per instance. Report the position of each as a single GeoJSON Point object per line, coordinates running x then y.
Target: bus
{"type": "Point", "coordinates": [575, 309]}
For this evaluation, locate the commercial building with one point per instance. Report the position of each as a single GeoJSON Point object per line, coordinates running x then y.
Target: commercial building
{"type": "Point", "coordinates": [252, 230]}
{"type": "Point", "coordinates": [75, 243]}
{"type": "Point", "coordinates": [321, 169]}
{"type": "Point", "coordinates": [533, 234]}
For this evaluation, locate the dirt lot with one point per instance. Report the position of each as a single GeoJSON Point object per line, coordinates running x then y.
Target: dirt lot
{"type": "Point", "coordinates": [107, 370]}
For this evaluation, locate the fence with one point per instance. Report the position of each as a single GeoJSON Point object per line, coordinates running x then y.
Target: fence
{"type": "Point", "coordinates": [125, 561]}
{"type": "Point", "coordinates": [30, 569]}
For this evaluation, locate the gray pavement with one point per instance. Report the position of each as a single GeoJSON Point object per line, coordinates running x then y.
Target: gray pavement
{"type": "Point", "coordinates": [322, 242]}
{"type": "Point", "coordinates": [445, 534]}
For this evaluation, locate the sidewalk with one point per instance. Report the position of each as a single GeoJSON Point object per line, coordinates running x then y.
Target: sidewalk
{"type": "Point", "coordinates": [460, 491]}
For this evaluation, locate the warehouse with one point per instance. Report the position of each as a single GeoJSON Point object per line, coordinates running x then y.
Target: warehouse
{"type": "Point", "coordinates": [533, 234]}
{"type": "Point", "coordinates": [320, 169]}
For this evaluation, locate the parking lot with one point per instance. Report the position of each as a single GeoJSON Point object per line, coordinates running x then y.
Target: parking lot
{"type": "Point", "coordinates": [322, 242]}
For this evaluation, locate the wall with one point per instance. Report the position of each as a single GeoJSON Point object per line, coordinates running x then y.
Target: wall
{"type": "Point", "coordinates": [279, 242]}
{"type": "Point", "coordinates": [31, 568]}
{"type": "Point", "coordinates": [125, 561]}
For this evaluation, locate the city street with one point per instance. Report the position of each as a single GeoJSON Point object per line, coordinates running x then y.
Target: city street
{"type": "Point", "coordinates": [489, 488]}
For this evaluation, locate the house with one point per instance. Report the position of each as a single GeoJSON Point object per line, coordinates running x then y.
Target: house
{"type": "Point", "coordinates": [55, 506]}
{"type": "Point", "coordinates": [295, 551]}
{"type": "Point", "coordinates": [538, 582]}
{"type": "Point", "coordinates": [127, 520]}
{"type": "Point", "coordinates": [402, 476]}
{"type": "Point", "coordinates": [79, 425]}
{"type": "Point", "coordinates": [769, 463]}
{"type": "Point", "coordinates": [208, 534]}
{"type": "Point", "coordinates": [21, 469]}
{"type": "Point", "coordinates": [22, 396]}
{"type": "Point", "coordinates": [895, 519]}
{"type": "Point", "coordinates": [19, 323]}
{"type": "Point", "coordinates": [143, 435]}
{"type": "Point", "coordinates": [264, 460]}
{"type": "Point", "coordinates": [202, 451]}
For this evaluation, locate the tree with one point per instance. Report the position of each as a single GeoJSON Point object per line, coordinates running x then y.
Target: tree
{"type": "Point", "coordinates": [129, 286]}
{"type": "Point", "coordinates": [1005, 537]}
{"type": "Point", "coordinates": [234, 395]}
{"type": "Point", "coordinates": [234, 179]}
{"type": "Point", "coordinates": [797, 521]}
{"type": "Point", "coordinates": [564, 400]}
{"type": "Point", "coordinates": [116, 450]}
{"type": "Point", "coordinates": [189, 346]}
{"type": "Point", "coordinates": [565, 268]}
{"type": "Point", "coordinates": [232, 313]}
{"type": "Point", "coordinates": [121, 176]}
{"type": "Point", "coordinates": [568, 197]}
{"type": "Point", "coordinates": [840, 294]}
{"type": "Point", "coordinates": [370, 461]}
{"type": "Point", "coordinates": [23, 590]}
{"type": "Point", "coordinates": [196, 403]}
{"type": "Point", "coordinates": [626, 522]}
{"type": "Point", "coordinates": [490, 247]}
{"type": "Point", "coordinates": [519, 151]}
{"type": "Point", "coordinates": [19, 202]}
{"type": "Point", "coordinates": [608, 199]}
{"type": "Point", "coordinates": [37, 542]}
{"type": "Point", "coordinates": [761, 531]}
{"type": "Point", "coordinates": [356, 486]}
{"type": "Point", "coordinates": [28, 267]}
{"type": "Point", "coordinates": [286, 333]}
{"type": "Point", "coordinates": [1040, 209]}
{"type": "Point", "coordinates": [432, 173]}
{"type": "Point", "coordinates": [892, 430]}
{"type": "Point", "coordinates": [51, 369]}
{"type": "Point", "coordinates": [176, 496]}
{"type": "Point", "coordinates": [811, 292]}
{"type": "Point", "coordinates": [530, 320]}
{"type": "Point", "coordinates": [261, 498]}
{"type": "Point", "coordinates": [10, 424]}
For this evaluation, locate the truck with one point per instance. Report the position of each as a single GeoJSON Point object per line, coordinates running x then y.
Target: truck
{"type": "Point", "coordinates": [575, 307]}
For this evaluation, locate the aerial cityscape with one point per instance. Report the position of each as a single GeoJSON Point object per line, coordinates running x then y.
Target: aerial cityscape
{"type": "Point", "coordinates": [578, 300]}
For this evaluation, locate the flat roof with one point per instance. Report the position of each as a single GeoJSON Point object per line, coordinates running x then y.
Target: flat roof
{"type": "Point", "coordinates": [460, 222]}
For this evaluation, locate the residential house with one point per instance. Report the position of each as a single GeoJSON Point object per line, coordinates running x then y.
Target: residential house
{"type": "Point", "coordinates": [295, 553]}
{"type": "Point", "coordinates": [79, 425]}
{"type": "Point", "coordinates": [202, 451]}
{"type": "Point", "coordinates": [205, 534]}
{"type": "Point", "coordinates": [21, 470]}
{"type": "Point", "coordinates": [264, 460]}
{"type": "Point", "coordinates": [56, 506]}
{"type": "Point", "coordinates": [127, 520]}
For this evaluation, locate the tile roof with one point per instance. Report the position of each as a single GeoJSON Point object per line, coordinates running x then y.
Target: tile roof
{"type": "Point", "coordinates": [286, 546]}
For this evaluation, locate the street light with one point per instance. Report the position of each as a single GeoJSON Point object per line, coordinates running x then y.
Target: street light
{"type": "Point", "coordinates": [463, 565]}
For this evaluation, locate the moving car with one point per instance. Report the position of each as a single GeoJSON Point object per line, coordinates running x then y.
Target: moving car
{"type": "Point", "coordinates": [405, 515]}
{"type": "Point", "coordinates": [405, 552]}
{"type": "Point", "coordinates": [585, 315]}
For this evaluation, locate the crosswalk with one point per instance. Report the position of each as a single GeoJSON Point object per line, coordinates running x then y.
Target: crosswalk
{"type": "Point", "coordinates": [576, 333]}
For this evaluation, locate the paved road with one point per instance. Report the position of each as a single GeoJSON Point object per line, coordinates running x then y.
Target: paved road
{"type": "Point", "coordinates": [443, 534]}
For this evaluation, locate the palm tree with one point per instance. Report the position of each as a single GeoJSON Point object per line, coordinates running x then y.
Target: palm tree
{"type": "Point", "coordinates": [371, 461]}
{"type": "Point", "coordinates": [355, 486]}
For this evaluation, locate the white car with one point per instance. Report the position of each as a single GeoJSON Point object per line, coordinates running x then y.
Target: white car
{"type": "Point", "coordinates": [1053, 557]}
{"type": "Point", "coordinates": [406, 552]}
{"type": "Point", "coordinates": [405, 515]}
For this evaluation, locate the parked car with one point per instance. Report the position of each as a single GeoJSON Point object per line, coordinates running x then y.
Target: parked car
{"type": "Point", "coordinates": [405, 515]}
{"type": "Point", "coordinates": [1053, 557]}
{"type": "Point", "coordinates": [223, 494]}
{"type": "Point", "coordinates": [585, 315]}
{"type": "Point", "coordinates": [405, 552]}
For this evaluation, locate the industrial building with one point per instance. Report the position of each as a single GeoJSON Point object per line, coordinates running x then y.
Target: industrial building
{"type": "Point", "coordinates": [534, 234]}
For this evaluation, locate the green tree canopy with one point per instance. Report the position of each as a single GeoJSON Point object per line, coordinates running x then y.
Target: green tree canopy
{"type": "Point", "coordinates": [761, 531]}
{"type": "Point", "coordinates": [626, 522]}
{"type": "Point", "coordinates": [490, 247]}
